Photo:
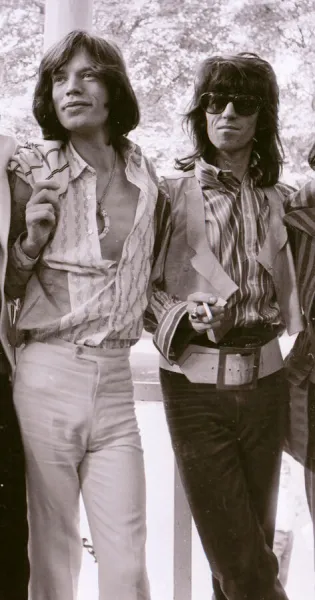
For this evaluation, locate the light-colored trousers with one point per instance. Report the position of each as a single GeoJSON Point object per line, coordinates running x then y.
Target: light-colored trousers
{"type": "Point", "coordinates": [76, 411]}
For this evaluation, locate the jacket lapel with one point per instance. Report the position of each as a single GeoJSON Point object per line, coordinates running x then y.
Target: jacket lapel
{"type": "Point", "coordinates": [277, 236]}
{"type": "Point", "coordinates": [203, 260]}
{"type": "Point", "coordinates": [276, 257]}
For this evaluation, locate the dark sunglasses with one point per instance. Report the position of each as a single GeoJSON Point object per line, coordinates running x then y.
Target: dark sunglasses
{"type": "Point", "coordinates": [244, 104]}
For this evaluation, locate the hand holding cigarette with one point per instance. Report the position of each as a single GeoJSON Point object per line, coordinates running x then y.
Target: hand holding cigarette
{"type": "Point", "coordinates": [205, 311]}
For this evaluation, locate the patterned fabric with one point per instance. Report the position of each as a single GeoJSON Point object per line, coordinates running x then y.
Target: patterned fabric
{"type": "Point", "coordinates": [301, 359]}
{"type": "Point", "coordinates": [80, 296]}
{"type": "Point", "coordinates": [237, 218]}
{"type": "Point", "coordinates": [164, 317]}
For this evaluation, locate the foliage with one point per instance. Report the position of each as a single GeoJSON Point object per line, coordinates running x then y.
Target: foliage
{"type": "Point", "coordinates": [163, 42]}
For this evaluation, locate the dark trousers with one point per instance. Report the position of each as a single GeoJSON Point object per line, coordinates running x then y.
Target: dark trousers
{"type": "Point", "coordinates": [309, 471]}
{"type": "Point", "coordinates": [309, 474]}
{"type": "Point", "coordinates": [228, 448]}
{"type": "Point", "coordinates": [14, 564]}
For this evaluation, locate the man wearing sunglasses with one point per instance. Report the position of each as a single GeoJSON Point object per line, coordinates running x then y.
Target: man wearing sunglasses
{"type": "Point", "coordinates": [224, 290]}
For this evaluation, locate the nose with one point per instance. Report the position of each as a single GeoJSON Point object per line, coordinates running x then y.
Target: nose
{"type": "Point", "coordinates": [73, 85]}
{"type": "Point", "coordinates": [229, 110]}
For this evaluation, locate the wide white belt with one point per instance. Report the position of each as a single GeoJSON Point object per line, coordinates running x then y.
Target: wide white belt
{"type": "Point", "coordinates": [241, 367]}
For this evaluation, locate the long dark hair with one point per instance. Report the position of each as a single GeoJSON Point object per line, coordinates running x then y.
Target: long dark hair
{"type": "Point", "coordinates": [311, 157]}
{"type": "Point", "coordinates": [124, 114]}
{"type": "Point", "coordinates": [242, 73]}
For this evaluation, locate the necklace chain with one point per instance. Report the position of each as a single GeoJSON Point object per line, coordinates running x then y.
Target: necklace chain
{"type": "Point", "coordinates": [101, 211]}
{"type": "Point", "coordinates": [109, 183]}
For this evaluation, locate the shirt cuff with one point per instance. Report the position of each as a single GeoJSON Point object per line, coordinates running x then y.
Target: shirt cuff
{"type": "Point", "coordinates": [167, 328]}
{"type": "Point", "coordinates": [22, 260]}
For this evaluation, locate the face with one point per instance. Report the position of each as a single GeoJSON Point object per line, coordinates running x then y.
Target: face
{"type": "Point", "coordinates": [80, 98]}
{"type": "Point", "coordinates": [229, 131]}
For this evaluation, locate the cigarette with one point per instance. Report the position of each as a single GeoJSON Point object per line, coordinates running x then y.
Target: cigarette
{"type": "Point", "coordinates": [208, 311]}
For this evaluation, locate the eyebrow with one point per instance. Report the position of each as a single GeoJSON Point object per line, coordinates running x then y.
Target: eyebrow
{"type": "Point", "coordinates": [81, 70]}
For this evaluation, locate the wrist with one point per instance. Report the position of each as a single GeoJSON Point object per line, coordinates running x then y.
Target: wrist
{"type": "Point", "coordinates": [31, 249]}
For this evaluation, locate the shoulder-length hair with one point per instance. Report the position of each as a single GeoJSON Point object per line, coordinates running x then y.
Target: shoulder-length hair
{"type": "Point", "coordinates": [244, 73]}
{"type": "Point", "coordinates": [124, 114]}
{"type": "Point", "coordinates": [311, 157]}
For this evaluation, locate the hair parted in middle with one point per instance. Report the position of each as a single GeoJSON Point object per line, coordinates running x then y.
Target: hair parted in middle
{"type": "Point", "coordinates": [109, 65]}
{"type": "Point", "coordinates": [243, 73]}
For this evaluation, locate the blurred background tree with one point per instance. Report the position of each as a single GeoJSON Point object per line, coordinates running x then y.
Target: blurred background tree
{"type": "Point", "coordinates": [163, 42]}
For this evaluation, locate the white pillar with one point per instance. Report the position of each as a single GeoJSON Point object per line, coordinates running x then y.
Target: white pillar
{"type": "Point", "coordinates": [62, 16]}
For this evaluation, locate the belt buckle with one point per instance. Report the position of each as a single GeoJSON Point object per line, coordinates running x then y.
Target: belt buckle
{"type": "Point", "coordinates": [224, 351]}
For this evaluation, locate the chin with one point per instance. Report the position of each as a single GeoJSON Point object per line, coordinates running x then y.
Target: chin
{"type": "Point", "coordinates": [75, 124]}
{"type": "Point", "coordinates": [228, 147]}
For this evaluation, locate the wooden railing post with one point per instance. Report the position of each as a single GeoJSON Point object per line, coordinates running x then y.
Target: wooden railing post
{"type": "Point", "coordinates": [182, 542]}
{"type": "Point", "coordinates": [145, 391]}
{"type": "Point", "coordinates": [62, 16]}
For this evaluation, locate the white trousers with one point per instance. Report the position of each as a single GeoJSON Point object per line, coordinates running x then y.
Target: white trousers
{"type": "Point", "coordinates": [76, 411]}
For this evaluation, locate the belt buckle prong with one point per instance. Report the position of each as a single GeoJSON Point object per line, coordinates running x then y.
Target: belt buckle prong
{"type": "Point", "coordinates": [224, 351]}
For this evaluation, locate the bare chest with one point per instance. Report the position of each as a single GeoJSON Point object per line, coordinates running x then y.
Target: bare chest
{"type": "Point", "coordinates": [115, 214]}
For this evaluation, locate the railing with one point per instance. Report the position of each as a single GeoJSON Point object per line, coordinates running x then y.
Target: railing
{"type": "Point", "coordinates": [177, 567]}
{"type": "Point", "coordinates": [147, 390]}
{"type": "Point", "coordinates": [144, 361]}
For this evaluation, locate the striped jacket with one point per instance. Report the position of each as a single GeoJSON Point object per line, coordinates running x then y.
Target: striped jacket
{"type": "Point", "coordinates": [301, 360]}
{"type": "Point", "coordinates": [187, 264]}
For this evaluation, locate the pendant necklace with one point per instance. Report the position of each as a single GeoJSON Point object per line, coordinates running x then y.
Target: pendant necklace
{"type": "Point", "coordinates": [101, 211]}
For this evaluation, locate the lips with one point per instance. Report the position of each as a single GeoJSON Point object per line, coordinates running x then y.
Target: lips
{"type": "Point", "coordinates": [75, 104]}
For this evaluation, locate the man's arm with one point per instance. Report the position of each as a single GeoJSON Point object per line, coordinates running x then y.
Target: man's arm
{"type": "Point", "coordinates": [164, 312]}
{"type": "Point", "coordinates": [168, 317]}
{"type": "Point", "coordinates": [20, 266]}
{"type": "Point", "coordinates": [302, 198]}
{"type": "Point", "coordinates": [33, 219]}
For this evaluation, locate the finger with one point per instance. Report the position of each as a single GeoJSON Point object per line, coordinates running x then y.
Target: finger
{"type": "Point", "coordinates": [217, 312]}
{"type": "Point", "coordinates": [40, 209]}
{"type": "Point", "coordinates": [40, 217]}
{"type": "Point", "coordinates": [205, 320]}
{"type": "Point", "coordinates": [44, 197]}
{"type": "Point", "coordinates": [45, 184]}
{"type": "Point", "coordinates": [200, 327]}
{"type": "Point", "coordinates": [202, 297]}
{"type": "Point", "coordinates": [192, 307]}
{"type": "Point", "coordinates": [202, 315]}
{"type": "Point", "coordinates": [45, 221]}
{"type": "Point", "coordinates": [34, 208]}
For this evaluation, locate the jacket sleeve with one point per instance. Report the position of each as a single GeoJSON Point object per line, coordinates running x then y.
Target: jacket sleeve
{"type": "Point", "coordinates": [20, 267]}
{"type": "Point", "coordinates": [302, 198]}
{"type": "Point", "coordinates": [166, 316]}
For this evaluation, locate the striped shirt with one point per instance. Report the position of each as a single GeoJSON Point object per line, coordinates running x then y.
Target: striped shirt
{"type": "Point", "coordinates": [237, 218]}
{"type": "Point", "coordinates": [301, 359]}
{"type": "Point", "coordinates": [166, 312]}
{"type": "Point", "coordinates": [74, 292]}
{"type": "Point", "coordinates": [300, 363]}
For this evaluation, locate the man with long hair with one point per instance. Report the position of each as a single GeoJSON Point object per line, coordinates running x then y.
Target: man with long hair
{"type": "Point", "coordinates": [86, 198]}
{"type": "Point", "coordinates": [224, 290]}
